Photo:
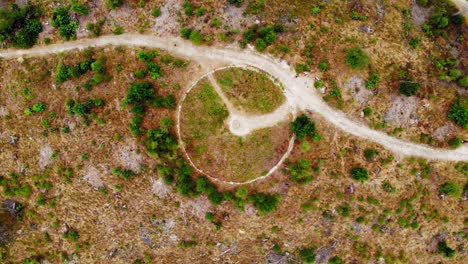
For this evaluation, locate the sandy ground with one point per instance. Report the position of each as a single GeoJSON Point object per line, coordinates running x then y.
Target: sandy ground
{"type": "Point", "coordinates": [299, 90]}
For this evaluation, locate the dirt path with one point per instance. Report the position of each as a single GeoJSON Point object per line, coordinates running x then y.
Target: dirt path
{"type": "Point", "coordinates": [299, 91]}
{"type": "Point", "coordinates": [242, 124]}
{"type": "Point", "coordinates": [463, 6]}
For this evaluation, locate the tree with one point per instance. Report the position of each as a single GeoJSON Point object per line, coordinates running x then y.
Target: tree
{"type": "Point", "coordinates": [458, 112]}
{"type": "Point", "coordinates": [139, 92]}
{"type": "Point", "coordinates": [356, 58]}
{"type": "Point", "coordinates": [303, 126]}
{"type": "Point", "coordinates": [20, 26]}
{"type": "Point", "coordinates": [409, 88]}
{"type": "Point", "coordinates": [360, 174]}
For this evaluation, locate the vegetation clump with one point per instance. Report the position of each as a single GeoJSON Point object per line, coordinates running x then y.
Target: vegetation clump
{"type": "Point", "coordinates": [262, 37]}
{"type": "Point", "coordinates": [62, 20]}
{"type": "Point", "coordinates": [445, 250]}
{"type": "Point", "coordinates": [450, 188]}
{"type": "Point", "coordinates": [409, 88]}
{"type": "Point", "coordinates": [20, 25]}
{"type": "Point", "coordinates": [356, 58]}
{"type": "Point", "coordinates": [303, 126]}
{"type": "Point", "coordinates": [300, 172]}
{"type": "Point", "coordinates": [458, 112]}
{"type": "Point", "coordinates": [264, 203]}
{"type": "Point", "coordinates": [307, 255]}
{"type": "Point", "coordinates": [360, 174]}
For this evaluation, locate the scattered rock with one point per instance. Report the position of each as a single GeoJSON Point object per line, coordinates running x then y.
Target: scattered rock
{"type": "Point", "coordinates": [92, 177]}
{"type": "Point", "coordinates": [197, 207]}
{"type": "Point", "coordinates": [359, 92]}
{"type": "Point", "coordinates": [3, 111]}
{"type": "Point", "coordinates": [160, 188]}
{"type": "Point", "coordinates": [128, 157]}
{"type": "Point", "coordinates": [145, 236]}
{"type": "Point", "coordinates": [275, 258]}
{"type": "Point", "coordinates": [402, 111]}
{"type": "Point", "coordinates": [324, 253]}
{"type": "Point", "coordinates": [443, 132]}
{"type": "Point", "coordinates": [12, 207]}
{"type": "Point", "coordinates": [45, 156]}
{"type": "Point", "coordinates": [366, 29]}
{"type": "Point", "coordinates": [419, 14]}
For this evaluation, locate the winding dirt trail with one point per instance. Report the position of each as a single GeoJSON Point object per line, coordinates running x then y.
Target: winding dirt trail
{"type": "Point", "coordinates": [299, 91]}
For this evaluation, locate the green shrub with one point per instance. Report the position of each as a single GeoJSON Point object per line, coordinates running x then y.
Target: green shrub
{"type": "Point", "coordinates": [216, 198]}
{"type": "Point", "coordinates": [210, 216]}
{"type": "Point", "coordinates": [146, 56]}
{"type": "Point", "coordinates": [372, 81]}
{"type": "Point", "coordinates": [242, 193]}
{"type": "Point", "coordinates": [323, 65]}
{"type": "Point", "coordinates": [139, 92]}
{"type": "Point", "coordinates": [141, 73]}
{"type": "Point", "coordinates": [408, 88]}
{"type": "Point", "coordinates": [39, 107]}
{"type": "Point", "coordinates": [463, 82]}
{"type": "Point", "coordinates": [123, 173]}
{"type": "Point", "coordinates": [458, 112]}
{"type": "Point", "coordinates": [455, 142]}
{"type": "Point", "coordinates": [71, 234]}
{"type": "Point", "coordinates": [196, 37]}
{"type": "Point", "coordinates": [264, 203]}
{"type": "Point", "coordinates": [336, 260]}
{"type": "Point", "coordinates": [200, 11]}
{"type": "Point", "coordinates": [203, 185]}
{"type": "Point", "coordinates": [161, 143]}
{"type": "Point", "coordinates": [113, 4]}
{"type": "Point", "coordinates": [237, 3]}
{"type": "Point", "coordinates": [185, 33]}
{"type": "Point", "coordinates": [445, 250]}
{"type": "Point", "coordinates": [360, 174]}
{"type": "Point", "coordinates": [300, 172]}
{"type": "Point", "coordinates": [61, 19]}
{"type": "Point", "coordinates": [414, 43]}
{"type": "Point", "coordinates": [319, 84]}
{"type": "Point", "coordinates": [188, 8]}
{"type": "Point", "coordinates": [450, 188]}
{"type": "Point", "coordinates": [303, 126]}
{"type": "Point", "coordinates": [154, 70]}
{"type": "Point", "coordinates": [356, 58]}
{"type": "Point", "coordinates": [118, 30]}
{"type": "Point", "coordinates": [387, 187]}
{"type": "Point", "coordinates": [300, 68]}
{"type": "Point", "coordinates": [260, 44]}
{"type": "Point", "coordinates": [344, 210]}
{"type": "Point", "coordinates": [156, 12]}
{"type": "Point", "coordinates": [370, 154]}
{"type": "Point", "coordinates": [79, 8]}
{"type": "Point", "coordinates": [307, 255]}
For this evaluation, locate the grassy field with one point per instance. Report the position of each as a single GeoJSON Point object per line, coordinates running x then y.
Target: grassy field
{"type": "Point", "coordinates": [250, 91]}
{"type": "Point", "coordinates": [219, 153]}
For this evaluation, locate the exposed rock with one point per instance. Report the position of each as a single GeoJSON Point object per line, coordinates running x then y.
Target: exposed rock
{"type": "Point", "coordinates": [45, 156]}
{"type": "Point", "coordinates": [92, 177]}
{"type": "Point", "coordinates": [441, 133]}
{"type": "Point", "coordinates": [366, 29]}
{"type": "Point", "coordinates": [160, 188]}
{"type": "Point", "coordinates": [359, 92]}
{"type": "Point", "coordinates": [402, 111]}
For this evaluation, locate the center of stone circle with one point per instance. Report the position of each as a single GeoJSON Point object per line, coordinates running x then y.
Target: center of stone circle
{"type": "Point", "coordinates": [236, 124]}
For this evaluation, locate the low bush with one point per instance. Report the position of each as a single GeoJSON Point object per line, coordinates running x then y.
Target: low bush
{"type": "Point", "coordinates": [113, 4]}
{"type": "Point", "coordinates": [372, 81]}
{"type": "Point", "coordinates": [300, 172]}
{"type": "Point", "coordinates": [450, 188]}
{"type": "Point", "coordinates": [458, 112]}
{"type": "Point", "coordinates": [307, 255]}
{"type": "Point", "coordinates": [455, 142]}
{"type": "Point", "coordinates": [409, 88]}
{"type": "Point", "coordinates": [123, 173]}
{"type": "Point", "coordinates": [360, 174]}
{"type": "Point", "coordinates": [78, 8]}
{"type": "Point", "coordinates": [356, 58]}
{"type": "Point", "coordinates": [62, 20]}
{"type": "Point", "coordinates": [264, 203]}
